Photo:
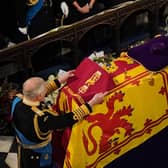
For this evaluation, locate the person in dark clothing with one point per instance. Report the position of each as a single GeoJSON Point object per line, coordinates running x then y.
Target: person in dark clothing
{"type": "Point", "coordinates": [81, 9]}
{"type": "Point", "coordinates": [8, 19]}
{"type": "Point", "coordinates": [34, 120]}
{"type": "Point", "coordinates": [26, 11]}
{"type": "Point", "coordinates": [3, 41]}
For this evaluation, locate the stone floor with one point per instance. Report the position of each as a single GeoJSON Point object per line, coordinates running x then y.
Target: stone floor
{"type": "Point", "coordinates": [8, 152]}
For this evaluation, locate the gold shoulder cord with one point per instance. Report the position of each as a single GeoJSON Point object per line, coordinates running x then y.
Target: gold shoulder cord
{"type": "Point", "coordinates": [37, 110]}
{"type": "Point", "coordinates": [81, 112]}
{"type": "Point", "coordinates": [41, 135]}
{"type": "Point", "coordinates": [54, 113]}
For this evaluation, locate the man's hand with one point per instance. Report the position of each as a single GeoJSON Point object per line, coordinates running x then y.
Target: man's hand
{"type": "Point", "coordinates": [65, 76]}
{"type": "Point", "coordinates": [84, 9]}
{"type": "Point", "coordinates": [97, 99]}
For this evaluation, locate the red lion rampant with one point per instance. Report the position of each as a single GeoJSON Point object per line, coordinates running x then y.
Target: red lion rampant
{"type": "Point", "coordinates": [109, 123]}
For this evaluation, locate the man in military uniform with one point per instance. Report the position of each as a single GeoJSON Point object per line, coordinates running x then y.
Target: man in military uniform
{"type": "Point", "coordinates": [26, 10]}
{"type": "Point", "coordinates": [34, 122]}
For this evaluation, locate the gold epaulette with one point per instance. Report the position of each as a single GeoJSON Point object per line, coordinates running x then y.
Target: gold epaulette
{"type": "Point", "coordinates": [51, 86]}
{"type": "Point", "coordinates": [81, 112]}
{"type": "Point", "coordinates": [37, 111]}
{"type": "Point", "coordinates": [32, 2]}
{"type": "Point", "coordinates": [19, 95]}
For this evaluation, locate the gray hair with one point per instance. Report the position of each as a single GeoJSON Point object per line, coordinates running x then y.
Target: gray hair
{"type": "Point", "coordinates": [33, 87]}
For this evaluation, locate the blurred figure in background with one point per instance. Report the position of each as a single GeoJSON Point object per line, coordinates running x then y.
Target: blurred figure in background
{"type": "Point", "coordinates": [8, 28]}
{"type": "Point", "coordinates": [80, 9]}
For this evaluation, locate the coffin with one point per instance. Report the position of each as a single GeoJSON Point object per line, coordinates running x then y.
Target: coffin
{"type": "Point", "coordinates": [134, 110]}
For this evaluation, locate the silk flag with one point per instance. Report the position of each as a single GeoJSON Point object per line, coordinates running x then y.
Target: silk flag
{"type": "Point", "coordinates": [89, 79]}
{"type": "Point", "coordinates": [133, 111]}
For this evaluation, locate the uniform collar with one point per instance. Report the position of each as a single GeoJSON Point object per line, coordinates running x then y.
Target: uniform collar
{"type": "Point", "coordinates": [30, 102]}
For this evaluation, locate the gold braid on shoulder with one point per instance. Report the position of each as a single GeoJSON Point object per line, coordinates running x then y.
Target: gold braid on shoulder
{"type": "Point", "coordinates": [81, 112]}
{"type": "Point", "coordinates": [52, 85]}
{"type": "Point", "coordinates": [32, 2]}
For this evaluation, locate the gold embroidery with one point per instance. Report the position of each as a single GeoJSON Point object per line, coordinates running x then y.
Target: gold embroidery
{"type": "Point", "coordinates": [37, 110]}
{"type": "Point", "coordinates": [81, 112]}
{"type": "Point", "coordinates": [35, 146]}
{"type": "Point", "coordinates": [32, 2]}
{"type": "Point", "coordinates": [83, 89]}
{"type": "Point", "coordinates": [93, 79]}
{"type": "Point", "coordinates": [51, 86]}
{"type": "Point", "coordinates": [41, 135]}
